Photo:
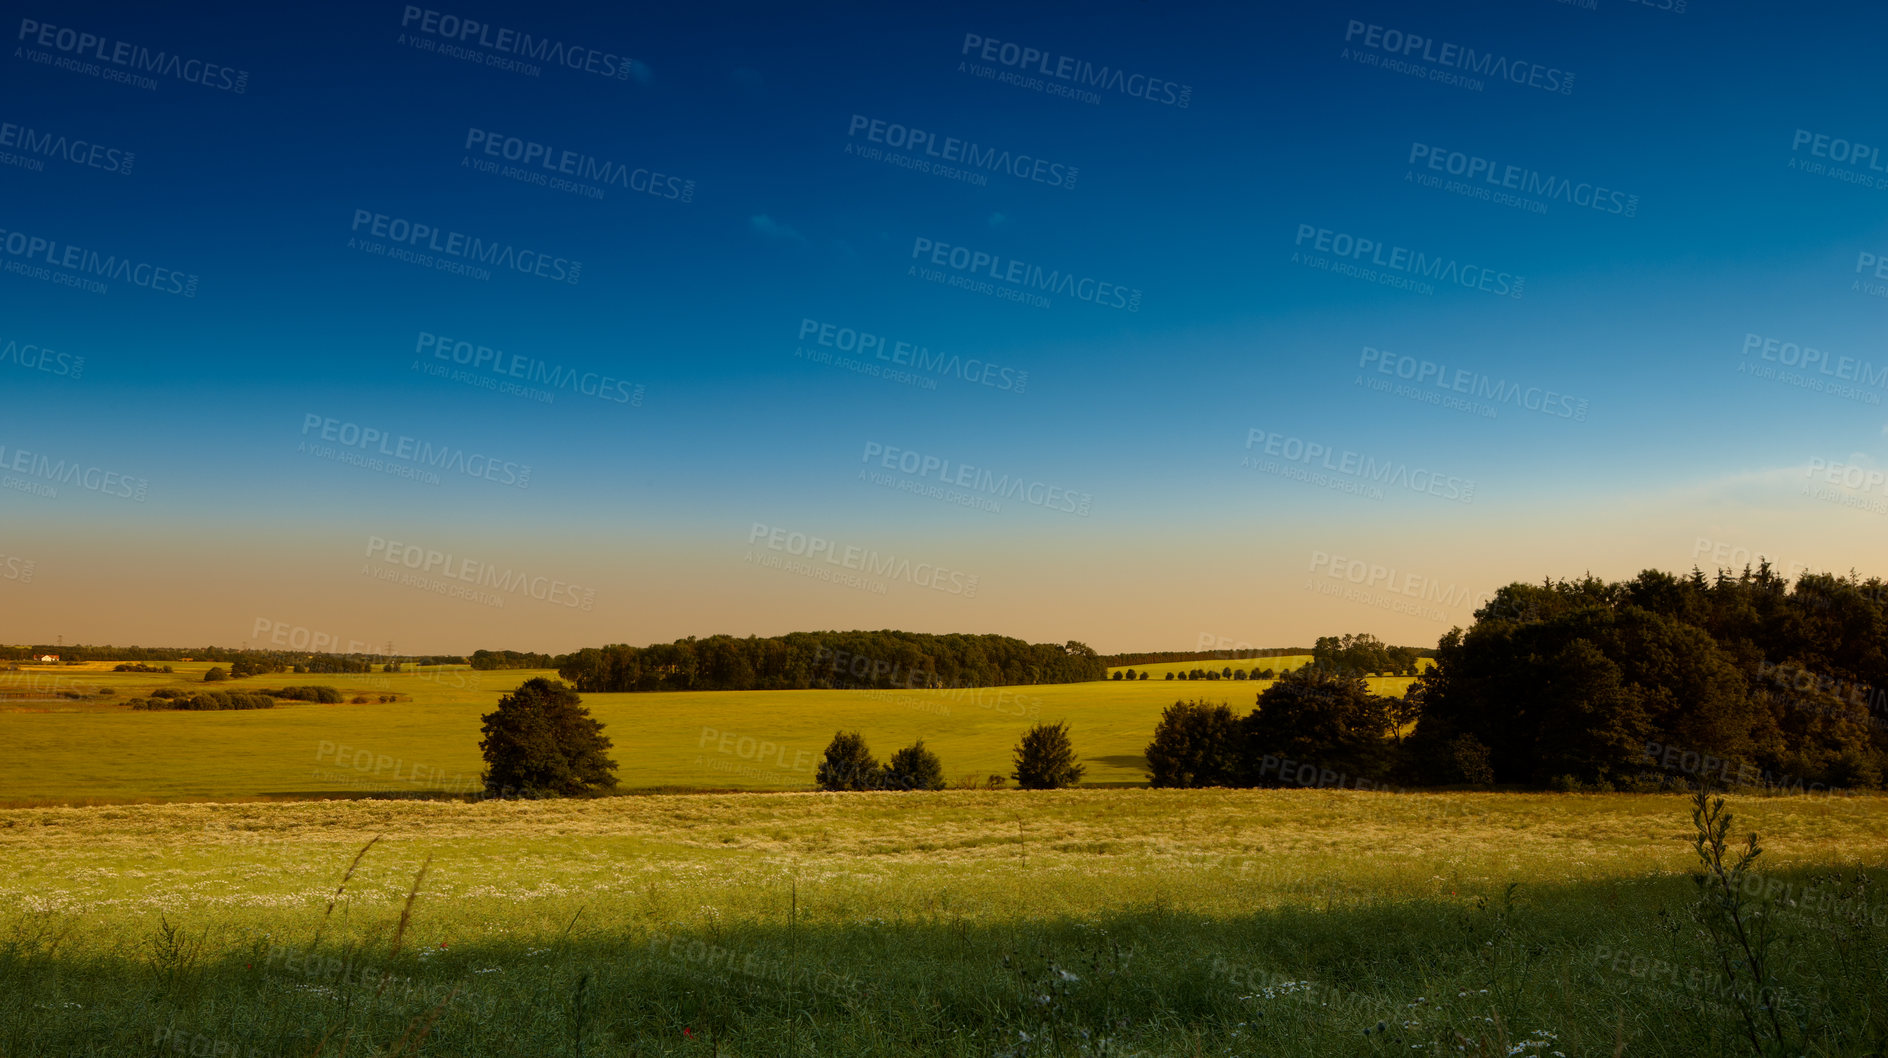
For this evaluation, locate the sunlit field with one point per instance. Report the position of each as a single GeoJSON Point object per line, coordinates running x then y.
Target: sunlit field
{"type": "Point", "coordinates": [346, 902]}
{"type": "Point", "coordinates": [1116, 922]}
{"type": "Point", "coordinates": [89, 749]}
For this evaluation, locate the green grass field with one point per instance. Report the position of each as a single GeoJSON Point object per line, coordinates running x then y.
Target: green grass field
{"type": "Point", "coordinates": [1001, 924]}
{"type": "Point", "coordinates": [92, 752]}
{"type": "Point", "coordinates": [1096, 922]}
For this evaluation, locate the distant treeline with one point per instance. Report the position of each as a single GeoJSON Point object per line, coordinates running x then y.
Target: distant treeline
{"type": "Point", "coordinates": [1361, 654]}
{"type": "Point", "coordinates": [253, 661]}
{"type": "Point", "coordinates": [1115, 661]}
{"type": "Point", "coordinates": [802, 660]}
{"type": "Point", "coordinates": [487, 660]}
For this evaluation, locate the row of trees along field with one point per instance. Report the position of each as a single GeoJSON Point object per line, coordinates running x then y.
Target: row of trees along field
{"type": "Point", "coordinates": [1044, 759]}
{"type": "Point", "coordinates": [1641, 684]}
{"type": "Point", "coordinates": [256, 660]}
{"type": "Point", "coordinates": [1115, 661]}
{"type": "Point", "coordinates": [801, 660]}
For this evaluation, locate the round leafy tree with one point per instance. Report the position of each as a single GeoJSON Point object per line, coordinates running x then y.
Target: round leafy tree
{"type": "Point", "coordinates": [1195, 744]}
{"type": "Point", "coordinates": [1045, 759]}
{"type": "Point", "coordinates": [848, 764]}
{"type": "Point", "coordinates": [914, 768]}
{"type": "Point", "coordinates": [543, 741]}
{"type": "Point", "coordinates": [1315, 716]}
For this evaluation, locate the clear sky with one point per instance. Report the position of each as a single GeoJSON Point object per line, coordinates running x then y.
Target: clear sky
{"type": "Point", "coordinates": [1241, 323]}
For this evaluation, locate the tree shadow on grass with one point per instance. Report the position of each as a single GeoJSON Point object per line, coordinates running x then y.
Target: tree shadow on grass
{"type": "Point", "coordinates": [1581, 968]}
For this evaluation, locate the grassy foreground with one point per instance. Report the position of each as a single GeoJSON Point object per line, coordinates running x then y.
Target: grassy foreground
{"type": "Point", "coordinates": [92, 751]}
{"type": "Point", "coordinates": [1104, 922]}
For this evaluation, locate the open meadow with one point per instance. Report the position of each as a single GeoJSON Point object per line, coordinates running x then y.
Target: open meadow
{"type": "Point", "coordinates": [87, 749]}
{"type": "Point", "coordinates": [1086, 922]}
{"type": "Point", "coordinates": [341, 901]}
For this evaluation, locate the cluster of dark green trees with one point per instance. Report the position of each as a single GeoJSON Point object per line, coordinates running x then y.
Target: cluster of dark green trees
{"type": "Point", "coordinates": [800, 660]}
{"type": "Point", "coordinates": [1365, 655]}
{"type": "Point", "coordinates": [175, 698]}
{"type": "Point", "coordinates": [165, 698]}
{"type": "Point", "coordinates": [1044, 760]}
{"type": "Point", "coordinates": [1750, 677]}
{"type": "Point", "coordinates": [322, 695]}
{"type": "Point", "coordinates": [849, 765]}
{"type": "Point", "coordinates": [1738, 679]}
{"type": "Point", "coordinates": [492, 660]}
{"type": "Point", "coordinates": [1314, 726]}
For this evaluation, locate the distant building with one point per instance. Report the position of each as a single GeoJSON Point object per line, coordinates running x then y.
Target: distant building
{"type": "Point", "coordinates": [47, 657]}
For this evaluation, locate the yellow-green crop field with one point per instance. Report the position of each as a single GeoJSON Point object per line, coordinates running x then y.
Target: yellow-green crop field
{"type": "Point", "coordinates": [1083, 922]}
{"type": "Point", "coordinates": [276, 917]}
{"type": "Point", "coordinates": [87, 751]}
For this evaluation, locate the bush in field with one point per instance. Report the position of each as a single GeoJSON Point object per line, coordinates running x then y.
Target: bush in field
{"type": "Point", "coordinates": [323, 695]}
{"type": "Point", "coordinates": [913, 768]}
{"type": "Point", "coordinates": [1195, 744]}
{"type": "Point", "coordinates": [543, 741]}
{"type": "Point", "coordinates": [215, 674]}
{"type": "Point", "coordinates": [1045, 759]}
{"type": "Point", "coordinates": [205, 702]}
{"type": "Point", "coordinates": [847, 765]}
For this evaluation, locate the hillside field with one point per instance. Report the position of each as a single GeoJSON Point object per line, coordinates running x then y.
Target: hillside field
{"type": "Point", "coordinates": [92, 751]}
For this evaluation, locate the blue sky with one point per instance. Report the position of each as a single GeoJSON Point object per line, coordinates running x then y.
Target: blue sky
{"type": "Point", "coordinates": [1291, 120]}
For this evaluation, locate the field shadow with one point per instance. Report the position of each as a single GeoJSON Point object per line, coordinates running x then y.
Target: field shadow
{"type": "Point", "coordinates": [1326, 973]}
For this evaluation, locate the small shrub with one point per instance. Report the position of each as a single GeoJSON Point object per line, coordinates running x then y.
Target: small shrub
{"type": "Point", "coordinates": [913, 768]}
